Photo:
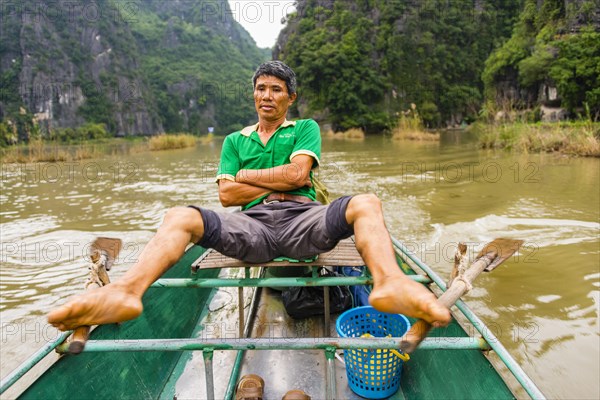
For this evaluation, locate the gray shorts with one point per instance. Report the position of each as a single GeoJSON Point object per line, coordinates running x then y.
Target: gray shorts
{"type": "Point", "coordinates": [279, 229]}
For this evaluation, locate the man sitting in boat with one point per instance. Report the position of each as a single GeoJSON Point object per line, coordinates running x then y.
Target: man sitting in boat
{"type": "Point", "coordinates": [267, 170]}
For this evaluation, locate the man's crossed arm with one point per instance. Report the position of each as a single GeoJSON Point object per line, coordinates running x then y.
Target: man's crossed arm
{"type": "Point", "coordinates": [251, 184]}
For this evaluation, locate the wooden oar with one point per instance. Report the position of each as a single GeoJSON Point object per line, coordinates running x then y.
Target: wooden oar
{"type": "Point", "coordinates": [492, 255]}
{"type": "Point", "coordinates": [103, 253]}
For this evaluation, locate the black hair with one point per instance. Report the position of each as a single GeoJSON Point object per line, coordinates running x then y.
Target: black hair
{"type": "Point", "coordinates": [279, 70]}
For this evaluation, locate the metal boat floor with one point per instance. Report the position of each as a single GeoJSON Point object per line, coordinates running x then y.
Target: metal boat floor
{"type": "Point", "coordinates": [285, 370]}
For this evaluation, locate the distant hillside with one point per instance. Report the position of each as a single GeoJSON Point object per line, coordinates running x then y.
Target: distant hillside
{"type": "Point", "coordinates": [138, 67]}
{"type": "Point", "coordinates": [552, 59]}
{"type": "Point", "coordinates": [362, 62]}
{"type": "Point", "coordinates": [198, 62]}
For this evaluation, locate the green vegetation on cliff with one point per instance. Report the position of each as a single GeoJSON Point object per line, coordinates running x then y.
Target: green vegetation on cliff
{"type": "Point", "coordinates": [362, 62]}
{"type": "Point", "coordinates": [555, 47]}
{"type": "Point", "coordinates": [199, 74]}
{"type": "Point", "coordinates": [137, 68]}
{"type": "Point", "coordinates": [141, 68]}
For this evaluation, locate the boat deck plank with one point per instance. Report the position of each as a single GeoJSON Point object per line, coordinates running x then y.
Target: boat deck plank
{"type": "Point", "coordinates": [344, 253]}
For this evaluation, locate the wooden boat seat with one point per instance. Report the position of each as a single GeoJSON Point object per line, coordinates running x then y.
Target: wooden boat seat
{"type": "Point", "coordinates": [344, 253]}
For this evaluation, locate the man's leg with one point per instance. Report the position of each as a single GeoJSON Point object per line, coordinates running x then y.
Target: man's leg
{"type": "Point", "coordinates": [122, 300]}
{"type": "Point", "coordinates": [393, 291]}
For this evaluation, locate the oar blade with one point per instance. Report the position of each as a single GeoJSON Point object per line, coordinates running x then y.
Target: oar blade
{"type": "Point", "coordinates": [493, 253]}
{"type": "Point", "coordinates": [110, 246]}
{"type": "Point", "coordinates": [503, 248]}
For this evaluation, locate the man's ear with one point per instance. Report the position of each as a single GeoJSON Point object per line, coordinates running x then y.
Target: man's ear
{"type": "Point", "coordinates": [293, 97]}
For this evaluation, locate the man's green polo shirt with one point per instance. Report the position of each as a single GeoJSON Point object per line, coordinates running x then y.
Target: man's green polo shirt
{"type": "Point", "coordinates": [244, 150]}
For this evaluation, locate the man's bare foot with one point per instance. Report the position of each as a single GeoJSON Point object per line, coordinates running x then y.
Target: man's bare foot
{"type": "Point", "coordinates": [401, 295]}
{"type": "Point", "coordinates": [109, 304]}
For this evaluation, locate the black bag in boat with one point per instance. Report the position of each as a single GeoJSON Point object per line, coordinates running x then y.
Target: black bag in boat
{"type": "Point", "coordinates": [306, 301]}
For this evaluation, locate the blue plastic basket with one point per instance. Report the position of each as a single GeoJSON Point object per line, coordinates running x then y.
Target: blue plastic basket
{"type": "Point", "coordinates": [372, 373]}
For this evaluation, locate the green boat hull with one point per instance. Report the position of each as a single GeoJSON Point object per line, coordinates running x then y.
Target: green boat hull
{"type": "Point", "coordinates": [176, 313]}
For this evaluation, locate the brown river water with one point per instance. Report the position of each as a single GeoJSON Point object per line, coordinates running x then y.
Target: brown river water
{"type": "Point", "coordinates": [542, 304]}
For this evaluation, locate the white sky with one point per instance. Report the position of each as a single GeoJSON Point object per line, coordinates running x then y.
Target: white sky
{"type": "Point", "coordinates": [261, 18]}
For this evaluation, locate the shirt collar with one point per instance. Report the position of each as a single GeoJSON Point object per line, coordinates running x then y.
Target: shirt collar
{"type": "Point", "coordinates": [247, 131]}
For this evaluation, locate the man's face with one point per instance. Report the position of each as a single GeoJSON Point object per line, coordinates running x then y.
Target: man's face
{"type": "Point", "coordinates": [271, 98]}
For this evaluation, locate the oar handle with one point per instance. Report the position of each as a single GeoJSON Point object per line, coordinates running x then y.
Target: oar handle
{"type": "Point", "coordinates": [79, 338]}
{"type": "Point", "coordinates": [459, 286]}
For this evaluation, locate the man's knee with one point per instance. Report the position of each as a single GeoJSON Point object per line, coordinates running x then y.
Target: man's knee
{"type": "Point", "coordinates": [364, 204]}
{"type": "Point", "coordinates": [186, 218]}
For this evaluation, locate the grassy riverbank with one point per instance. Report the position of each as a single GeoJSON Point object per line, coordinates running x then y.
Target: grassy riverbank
{"type": "Point", "coordinates": [49, 151]}
{"type": "Point", "coordinates": [168, 142]}
{"type": "Point", "coordinates": [353, 133]}
{"type": "Point", "coordinates": [579, 138]}
{"type": "Point", "coordinates": [415, 134]}
{"type": "Point", "coordinates": [410, 126]}
{"type": "Point", "coordinates": [39, 150]}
